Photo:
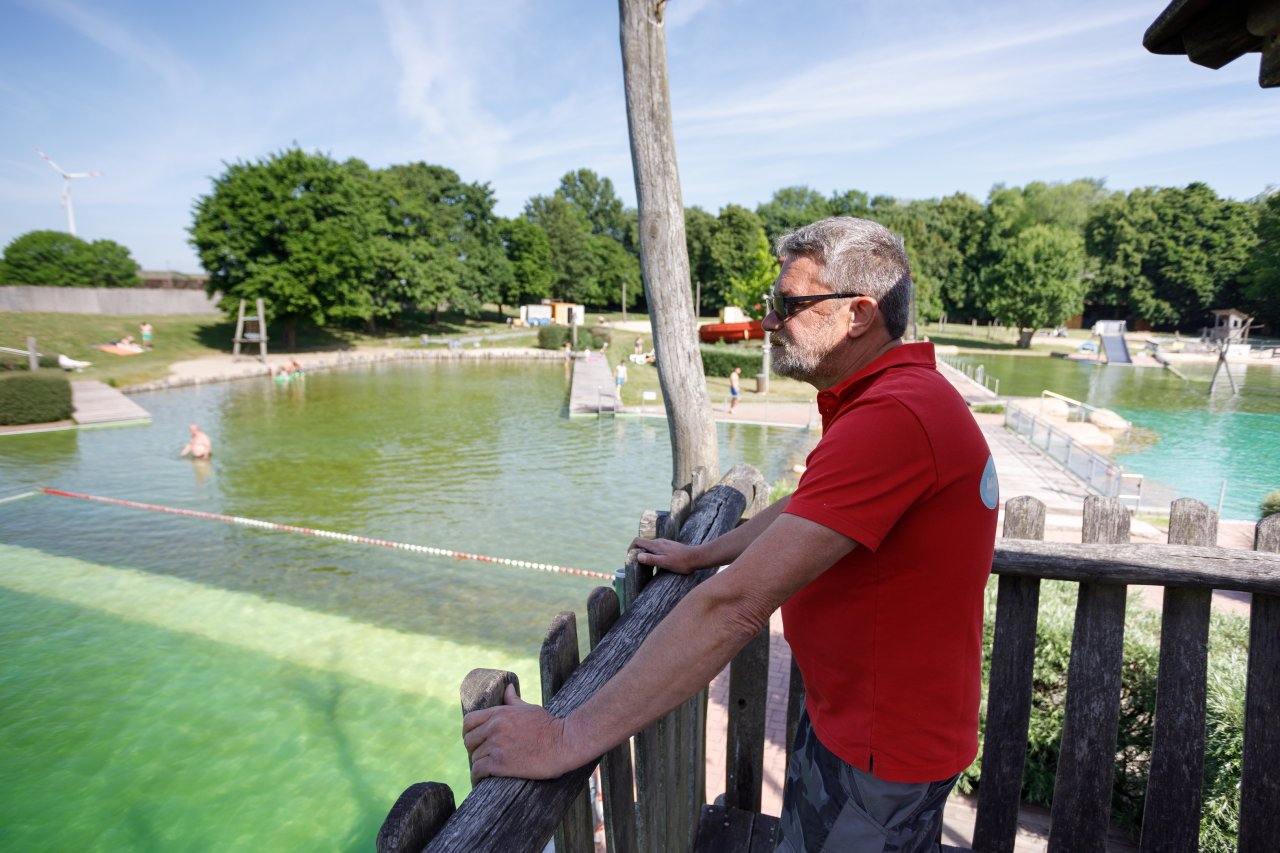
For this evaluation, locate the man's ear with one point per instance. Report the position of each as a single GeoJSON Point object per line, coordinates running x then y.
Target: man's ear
{"type": "Point", "coordinates": [862, 315]}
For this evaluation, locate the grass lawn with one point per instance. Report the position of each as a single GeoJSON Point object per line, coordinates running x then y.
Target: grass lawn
{"type": "Point", "coordinates": [188, 336]}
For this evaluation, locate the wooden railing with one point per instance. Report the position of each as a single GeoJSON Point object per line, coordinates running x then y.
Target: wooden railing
{"type": "Point", "coordinates": [669, 813]}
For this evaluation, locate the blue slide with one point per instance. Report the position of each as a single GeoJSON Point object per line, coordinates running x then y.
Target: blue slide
{"type": "Point", "coordinates": [1116, 350]}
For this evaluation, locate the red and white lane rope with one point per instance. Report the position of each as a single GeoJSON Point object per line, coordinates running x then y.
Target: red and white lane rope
{"type": "Point", "coordinates": [329, 534]}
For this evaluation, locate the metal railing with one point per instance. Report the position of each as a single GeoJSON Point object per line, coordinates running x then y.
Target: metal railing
{"type": "Point", "coordinates": [976, 372]}
{"type": "Point", "coordinates": [1098, 472]}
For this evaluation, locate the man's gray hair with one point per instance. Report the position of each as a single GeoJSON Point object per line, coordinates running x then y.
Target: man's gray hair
{"type": "Point", "coordinates": [857, 256]}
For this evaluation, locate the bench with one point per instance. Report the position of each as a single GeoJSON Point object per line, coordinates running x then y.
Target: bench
{"type": "Point", "coordinates": [669, 811]}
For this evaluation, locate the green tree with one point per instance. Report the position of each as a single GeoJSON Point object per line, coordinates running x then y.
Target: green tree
{"type": "Point", "coordinates": [849, 203]}
{"type": "Point", "coordinates": [529, 253]}
{"type": "Point", "coordinates": [790, 208]}
{"type": "Point", "coordinates": [414, 222]}
{"type": "Point", "coordinates": [1037, 281]}
{"type": "Point", "coordinates": [292, 228]}
{"type": "Point", "coordinates": [698, 228]}
{"type": "Point", "coordinates": [617, 271]}
{"type": "Point", "coordinates": [568, 232]}
{"type": "Point", "coordinates": [1262, 287]}
{"type": "Point", "coordinates": [594, 196]}
{"type": "Point", "coordinates": [1171, 254]}
{"type": "Point", "coordinates": [735, 246]}
{"type": "Point", "coordinates": [751, 282]}
{"type": "Point", "coordinates": [59, 259]}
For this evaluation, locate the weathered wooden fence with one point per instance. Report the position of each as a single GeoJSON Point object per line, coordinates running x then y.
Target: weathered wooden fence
{"type": "Point", "coordinates": [658, 803]}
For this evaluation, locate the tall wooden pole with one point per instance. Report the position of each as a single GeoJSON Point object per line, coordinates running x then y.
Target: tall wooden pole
{"type": "Point", "coordinates": [664, 258]}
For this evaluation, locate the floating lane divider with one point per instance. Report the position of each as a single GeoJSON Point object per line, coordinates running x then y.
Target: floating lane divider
{"type": "Point", "coordinates": [329, 534]}
{"type": "Point", "coordinates": [17, 497]}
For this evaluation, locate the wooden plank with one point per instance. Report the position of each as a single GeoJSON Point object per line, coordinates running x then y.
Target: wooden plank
{"type": "Point", "coordinates": [1171, 816]}
{"type": "Point", "coordinates": [1081, 810]}
{"type": "Point", "coordinates": [722, 829]}
{"type": "Point", "coordinates": [556, 662]}
{"type": "Point", "coordinates": [513, 815]}
{"type": "Point", "coordinates": [616, 780]}
{"type": "Point", "coordinates": [415, 818]}
{"type": "Point", "coordinates": [795, 704]}
{"type": "Point", "coordinates": [764, 833]}
{"type": "Point", "coordinates": [748, 695]}
{"type": "Point", "coordinates": [1004, 747]}
{"type": "Point", "coordinates": [1260, 770]}
{"type": "Point", "coordinates": [1192, 566]}
{"type": "Point", "coordinates": [1219, 36]}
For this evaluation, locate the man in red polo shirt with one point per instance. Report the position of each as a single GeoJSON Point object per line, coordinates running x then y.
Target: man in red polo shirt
{"type": "Point", "coordinates": [878, 561]}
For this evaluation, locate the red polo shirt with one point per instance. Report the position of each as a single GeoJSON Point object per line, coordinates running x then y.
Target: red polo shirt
{"type": "Point", "coordinates": [889, 639]}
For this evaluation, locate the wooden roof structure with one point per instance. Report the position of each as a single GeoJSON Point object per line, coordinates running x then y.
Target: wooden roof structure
{"type": "Point", "coordinates": [1213, 33]}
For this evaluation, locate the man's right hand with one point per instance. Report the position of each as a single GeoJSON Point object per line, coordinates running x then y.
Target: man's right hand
{"type": "Point", "coordinates": [667, 554]}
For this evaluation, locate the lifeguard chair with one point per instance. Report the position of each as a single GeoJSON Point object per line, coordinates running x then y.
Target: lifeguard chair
{"type": "Point", "coordinates": [251, 330]}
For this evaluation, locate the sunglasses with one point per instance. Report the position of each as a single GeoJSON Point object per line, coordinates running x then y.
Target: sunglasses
{"type": "Point", "coordinates": [785, 306]}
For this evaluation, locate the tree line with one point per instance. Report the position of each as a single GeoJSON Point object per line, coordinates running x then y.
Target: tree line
{"type": "Point", "coordinates": [330, 242]}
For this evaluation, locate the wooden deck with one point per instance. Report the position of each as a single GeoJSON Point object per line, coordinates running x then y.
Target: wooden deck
{"type": "Point", "coordinates": [98, 404]}
{"type": "Point", "coordinates": [592, 391]}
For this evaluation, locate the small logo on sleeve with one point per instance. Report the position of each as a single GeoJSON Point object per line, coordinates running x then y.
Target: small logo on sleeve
{"type": "Point", "coordinates": [990, 487]}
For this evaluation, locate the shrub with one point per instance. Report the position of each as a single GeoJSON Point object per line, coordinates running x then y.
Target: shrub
{"type": "Point", "coordinates": [720, 360]}
{"type": "Point", "coordinates": [989, 409]}
{"type": "Point", "coordinates": [600, 335]}
{"type": "Point", "coordinates": [1228, 643]}
{"type": "Point", "coordinates": [27, 398]}
{"type": "Point", "coordinates": [552, 337]}
{"type": "Point", "coordinates": [1270, 504]}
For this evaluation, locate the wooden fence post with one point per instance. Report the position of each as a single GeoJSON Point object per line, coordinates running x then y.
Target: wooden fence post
{"type": "Point", "coordinates": [556, 662]}
{"type": "Point", "coordinates": [415, 818]}
{"type": "Point", "coordinates": [1171, 814]}
{"type": "Point", "coordinates": [1081, 811]}
{"type": "Point", "coordinates": [748, 695]}
{"type": "Point", "coordinates": [1260, 770]}
{"type": "Point", "coordinates": [1013, 649]}
{"type": "Point", "coordinates": [615, 765]}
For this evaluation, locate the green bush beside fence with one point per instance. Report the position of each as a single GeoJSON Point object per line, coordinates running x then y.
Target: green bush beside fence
{"type": "Point", "coordinates": [27, 398]}
{"type": "Point", "coordinates": [1228, 646]}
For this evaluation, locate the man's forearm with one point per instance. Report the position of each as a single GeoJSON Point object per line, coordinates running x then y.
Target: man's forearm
{"type": "Point", "coordinates": [723, 550]}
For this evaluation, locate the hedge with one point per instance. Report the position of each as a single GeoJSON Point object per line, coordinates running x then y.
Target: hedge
{"type": "Point", "coordinates": [554, 337]}
{"type": "Point", "coordinates": [720, 360]}
{"type": "Point", "coordinates": [27, 398]}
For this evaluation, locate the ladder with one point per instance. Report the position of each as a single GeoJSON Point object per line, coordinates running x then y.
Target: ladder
{"type": "Point", "coordinates": [251, 330]}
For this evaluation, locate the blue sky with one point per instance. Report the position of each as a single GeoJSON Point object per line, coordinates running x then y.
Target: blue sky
{"type": "Point", "coordinates": [910, 98]}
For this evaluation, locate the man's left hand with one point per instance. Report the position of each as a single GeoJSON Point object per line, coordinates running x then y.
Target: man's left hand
{"type": "Point", "coordinates": [516, 739]}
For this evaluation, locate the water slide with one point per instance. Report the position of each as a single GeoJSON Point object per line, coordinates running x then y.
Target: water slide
{"type": "Point", "coordinates": [1116, 350]}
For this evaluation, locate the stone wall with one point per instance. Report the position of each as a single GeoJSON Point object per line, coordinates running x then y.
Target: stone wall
{"type": "Point", "coordinates": [112, 301]}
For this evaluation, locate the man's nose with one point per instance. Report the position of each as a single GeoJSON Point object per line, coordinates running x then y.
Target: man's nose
{"type": "Point", "coordinates": [771, 323]}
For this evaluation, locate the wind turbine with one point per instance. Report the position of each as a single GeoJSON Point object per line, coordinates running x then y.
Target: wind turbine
{"type": "Point", "coordinates": [66, 188]}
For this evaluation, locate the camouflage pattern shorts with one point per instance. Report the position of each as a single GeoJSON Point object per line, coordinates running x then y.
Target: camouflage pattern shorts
{"type": "Point", "coordinates": [829, 806]}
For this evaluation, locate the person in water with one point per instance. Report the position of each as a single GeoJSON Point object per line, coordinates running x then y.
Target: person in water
{"type": "Point", "coordinates": [199, 447]}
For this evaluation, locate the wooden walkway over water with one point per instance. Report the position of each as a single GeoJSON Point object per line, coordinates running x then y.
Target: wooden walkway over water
{"type": "Point", "coordinates": [98, 404]}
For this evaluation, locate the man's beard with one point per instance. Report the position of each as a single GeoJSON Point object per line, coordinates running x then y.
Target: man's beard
{"type": "Point", "coordinates": [796, 360]}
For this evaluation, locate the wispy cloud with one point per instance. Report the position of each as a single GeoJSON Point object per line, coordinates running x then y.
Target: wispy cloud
{"type": "Point", "coordinates": [1187, 131]}
{"type": "Point", "coordinates": [148, 51]}
{"type": "Point", "coordinates": [439, 86]}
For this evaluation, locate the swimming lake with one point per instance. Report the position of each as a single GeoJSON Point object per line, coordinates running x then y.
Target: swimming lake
{"type": "Point", "coordinates": [177, 683]}
{"type": "Point", "coordinates": [1184, 437]}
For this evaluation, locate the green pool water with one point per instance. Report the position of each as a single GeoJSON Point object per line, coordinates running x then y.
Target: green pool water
{"type": "Point", "coordinates": [173, 683]}
{"type": "Point", "coordinates": [1186, 437]}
